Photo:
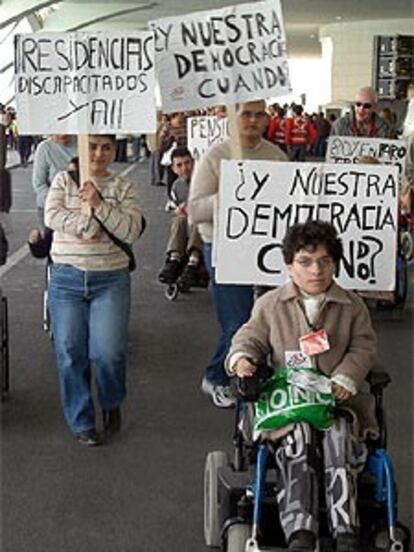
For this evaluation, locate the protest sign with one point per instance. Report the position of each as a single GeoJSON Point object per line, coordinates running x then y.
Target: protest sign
{"type": "Point", "coordinates": [260, 200]}
{"type": "Point", "coordinates": [221, 56]}
{"type": "Point", "coordinates": [204, 132]}
{"type": "Point", "coordinates": [349, 149]}
{"type": "Point", "coordinates": [79, 83]}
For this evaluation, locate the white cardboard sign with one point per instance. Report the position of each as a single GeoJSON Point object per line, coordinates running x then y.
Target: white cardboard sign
{"type": "Point", "coordinates": [221, 56]}
{"type": "Point", "coordinates": [204, 132]}
{"type": "Point", "coordinates": [260, 200]}
{"type": "Point", "coordinates": [85, 82]}
{"type": "Point", "coordinates": [348, 149]}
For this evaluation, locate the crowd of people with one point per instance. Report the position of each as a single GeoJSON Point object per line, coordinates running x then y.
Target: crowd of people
{"type": "Point", "coordinates": [95, 222]}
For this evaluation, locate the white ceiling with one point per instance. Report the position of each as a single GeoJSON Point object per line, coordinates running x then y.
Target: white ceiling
{"type": "Point", "coordinates": [302, 17]}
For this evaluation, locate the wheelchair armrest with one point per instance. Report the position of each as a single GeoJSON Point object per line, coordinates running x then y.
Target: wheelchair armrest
{"type": "Point", "coordinates": [378, 380]}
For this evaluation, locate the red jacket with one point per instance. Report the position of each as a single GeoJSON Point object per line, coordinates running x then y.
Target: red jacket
{"type": "Point", "coordinates": [276, 132]}
{"type": "Point", "coordinates": [300, 131]}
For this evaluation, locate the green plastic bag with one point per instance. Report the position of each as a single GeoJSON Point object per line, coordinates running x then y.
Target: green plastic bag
{"type": "Point", "coordinates": [299, 395]}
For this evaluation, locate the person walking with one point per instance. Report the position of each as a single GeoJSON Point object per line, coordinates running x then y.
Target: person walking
{"type": "Point", "coordinates": [363, 119]}
{"type": "Point", "coordinates": [51, 156]}
{"type": "Point", "coordinates": [89, 288]}
{"type": "Point", "coordinates": [232, 303]}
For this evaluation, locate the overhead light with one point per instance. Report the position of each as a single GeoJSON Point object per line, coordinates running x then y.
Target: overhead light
{"type": "Point", "coordinates": [312, 35]}
{"type": "Point", "coordinates": [338, 17]}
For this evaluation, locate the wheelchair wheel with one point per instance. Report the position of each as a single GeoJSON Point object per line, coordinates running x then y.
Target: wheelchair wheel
{"type": "Point", "coordinates": [212, 529]}
{"type": "Point", "coordinates": [382, 541]}
{"type": "Point", "coordinates": [237, 536]}
{"type": "Point", "coordinates": [401, 280]}
{"type": "Point", "coordinates": [407, 244]}
{"type": "Point", "coordinates": [171, 292]}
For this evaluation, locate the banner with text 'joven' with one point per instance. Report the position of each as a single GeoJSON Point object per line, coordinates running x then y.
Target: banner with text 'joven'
{"type": "Point", "coordinates": [260, 200]}
{"type": "Point", "coordinates": [204, 132]}
{"type": "Point", "coordinates": [349, 149]}
{"type": "Point", "coordinates": [221, 56]}
{"type": "Point", "coordinates": [85, 82]}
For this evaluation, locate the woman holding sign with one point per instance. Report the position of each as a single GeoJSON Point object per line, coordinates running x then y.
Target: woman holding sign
{"type": "Point", "coordinates": [89, 289]}
{"type": "Point", "coordinates": [316, 330]}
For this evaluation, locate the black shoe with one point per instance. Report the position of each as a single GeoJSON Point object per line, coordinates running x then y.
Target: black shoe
{"type": "Point", "coordinates": [112, 420]}
{"type": "Point", "coordinates": [346, 542]}
{"type": "Point", "coordinates": [189, 276]}
{"type": "Point", "coordinates": [170, 271]}
{"type": "Point", "coordinates": [302, 541]}
{"type": "Point", "coordinates": [90, 438]}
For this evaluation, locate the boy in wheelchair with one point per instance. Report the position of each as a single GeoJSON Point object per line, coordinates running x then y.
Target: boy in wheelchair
{"type": "Point", "coordinates": [312, 317]}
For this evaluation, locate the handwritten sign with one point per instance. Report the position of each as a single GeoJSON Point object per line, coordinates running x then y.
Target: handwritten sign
{"type": "Point", "coordinates": [78, 83]}
{"type": "Point", "coordinates": [260, 200]}
{"type": "Point", "coordinates": [349, 149]}
{"type": "Point", "coordinates": [221, 56]}
{"type": "Point", "coordinates": [204, 132]}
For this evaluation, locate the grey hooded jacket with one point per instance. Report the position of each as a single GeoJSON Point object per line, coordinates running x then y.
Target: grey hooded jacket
{"type": "Point", "coordinates": [345, 126]}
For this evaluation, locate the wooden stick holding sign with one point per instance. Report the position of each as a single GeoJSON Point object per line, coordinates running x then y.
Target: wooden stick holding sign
{"type": "Point", "coordinates": [84, 171]}
{"type": "Point", "coordinates": [235, 143]}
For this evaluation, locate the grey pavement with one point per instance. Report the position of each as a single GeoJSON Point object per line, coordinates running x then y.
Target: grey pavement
{"type": "Point", "coordinates": [142, 491]}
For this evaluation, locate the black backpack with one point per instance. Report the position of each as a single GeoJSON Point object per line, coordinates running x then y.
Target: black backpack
{"type": "Point", "coordinates": [5, 191]}
{"type": "Point", "coordinates": [4, 246]}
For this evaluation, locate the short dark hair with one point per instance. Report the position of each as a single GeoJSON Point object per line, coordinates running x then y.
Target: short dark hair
{"type": "Point", "coordinates": [181, 151]}
{"type": "Point", "coordinates": [309, 235]}
{"type": "Point", "coordinates": [111, 137]}
{"type": "Point", "coordinates": [297, 109]}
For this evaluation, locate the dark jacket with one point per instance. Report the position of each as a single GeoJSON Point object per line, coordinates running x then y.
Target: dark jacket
{"type": "Point", "coordinates": [4, 246]}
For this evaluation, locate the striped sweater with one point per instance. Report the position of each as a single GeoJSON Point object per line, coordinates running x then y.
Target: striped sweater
{"type": "Point", "coordinates": [78, 239]}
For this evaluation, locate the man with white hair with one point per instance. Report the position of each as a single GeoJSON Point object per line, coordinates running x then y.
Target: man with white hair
{"type": "Point", "coordinates": [363, 119]}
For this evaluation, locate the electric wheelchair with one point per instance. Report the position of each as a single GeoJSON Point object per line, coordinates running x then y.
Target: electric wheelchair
{"type": "Point", "coordinates": [240, 507]}
{"type": "Point", "coordinates": [173, 289]}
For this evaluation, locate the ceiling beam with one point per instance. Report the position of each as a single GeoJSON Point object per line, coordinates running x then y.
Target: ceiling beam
{"type": "Point", "coordinates": [12, 11]}
{"type": "Point", "coordinates": [110, 16]}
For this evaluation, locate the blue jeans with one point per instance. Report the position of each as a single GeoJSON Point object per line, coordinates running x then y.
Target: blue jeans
{"type": "Point", "coordinates": [89, 314]}
{"type": "Point", "coordinates": [136, 148]}
{"type": "Point", "coordinates": [233, 304]}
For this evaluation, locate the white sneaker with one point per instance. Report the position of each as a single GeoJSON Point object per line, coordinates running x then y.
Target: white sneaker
{"type": "Point", "coordinates": [170, 206]}
{"type": "Point", "coordinates": [221, 395]}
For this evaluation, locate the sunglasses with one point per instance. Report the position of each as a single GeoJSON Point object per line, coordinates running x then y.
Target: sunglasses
{"type": "Point", "coordinates": [364, 105]}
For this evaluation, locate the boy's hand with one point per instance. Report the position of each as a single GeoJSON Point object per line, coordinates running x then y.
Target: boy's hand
{"type": "Point", "coordinates": [340, 392]}
{"type": "Point", "coordinates": [244, 368]}
{"type": "Point", "coordinates": [90, 195]}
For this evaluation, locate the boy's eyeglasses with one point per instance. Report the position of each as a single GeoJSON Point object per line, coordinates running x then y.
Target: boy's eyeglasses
{"type": "Point", "coordinates": [325, 262]}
